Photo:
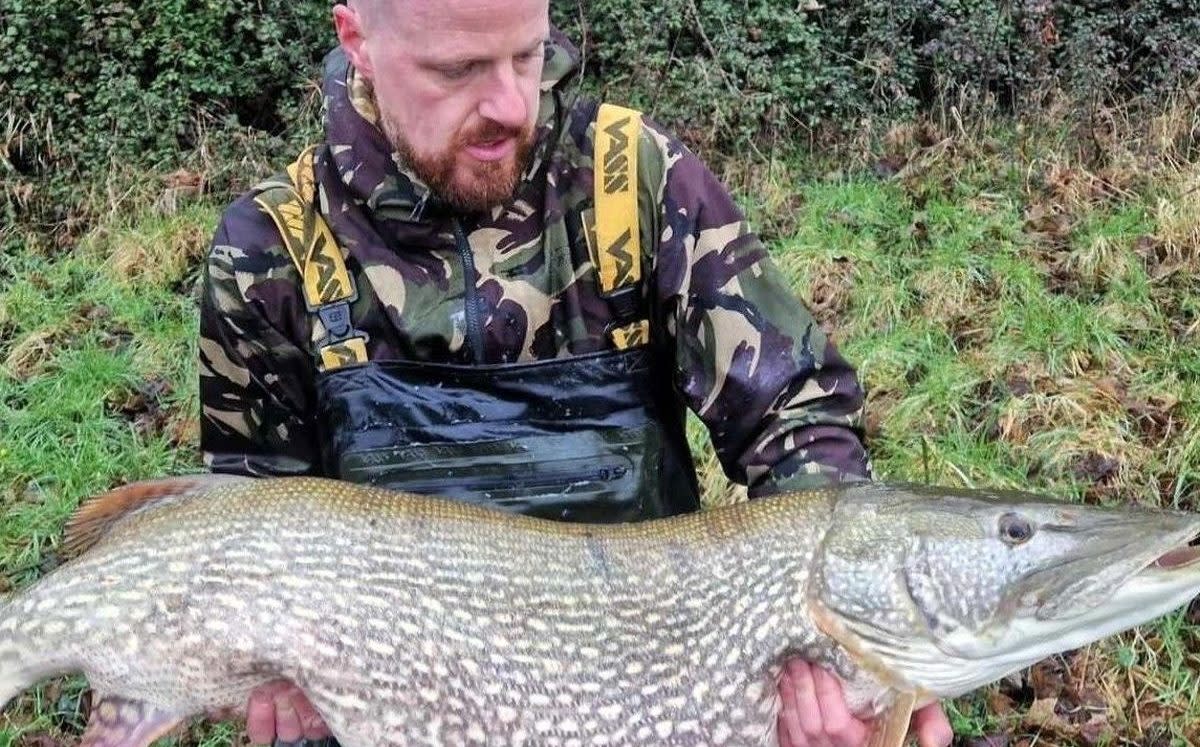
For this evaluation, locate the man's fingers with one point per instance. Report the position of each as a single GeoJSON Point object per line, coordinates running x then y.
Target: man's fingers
{"type": "Point", "coordinates": [260, 718]}
{"type": "Point", "coordinates": [287, 723]}
{"type": "Point", "coordinates": [808, 713]}
{"type": "Point", "coordinates": [279, 710]}
{"type": "Point", "coordinates": [932, 727]}
{"type": "Point", "coordinates": [841, 727]}
{"type": "Point", "coordinates": [311, 723]}
{"type": "Point", "coordinates": [790, 732]}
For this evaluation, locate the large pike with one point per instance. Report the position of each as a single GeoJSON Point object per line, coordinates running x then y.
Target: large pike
{"type": "Point", "coordinates": [420, 621]}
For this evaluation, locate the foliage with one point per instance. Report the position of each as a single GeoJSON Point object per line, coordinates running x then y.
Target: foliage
{"type": "Point", "coordinates": [87, 82]}
{"type": "Point", "coordinates": [124, 80]}
{"type": "Point", "coordinates": [727, 71]}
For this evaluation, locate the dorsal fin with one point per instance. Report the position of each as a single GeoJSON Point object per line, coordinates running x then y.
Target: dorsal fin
{"type": "Point", "coordinates": [97, 515]}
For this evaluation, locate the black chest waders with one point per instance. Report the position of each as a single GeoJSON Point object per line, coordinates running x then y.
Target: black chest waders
{"type": "Point", "coordinates": [597, 438]}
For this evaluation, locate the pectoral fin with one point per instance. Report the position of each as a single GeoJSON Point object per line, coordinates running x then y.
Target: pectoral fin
{"type": "Point", "coordinates": [118, 722]}
{"type": "Point", "coordinates": [891, 729]}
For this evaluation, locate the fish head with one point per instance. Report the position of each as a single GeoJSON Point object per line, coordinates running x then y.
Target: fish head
{"type": "Point", "coordinates": [942, 591]}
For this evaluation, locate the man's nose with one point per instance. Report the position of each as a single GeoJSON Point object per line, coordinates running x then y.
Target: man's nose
{"type": "Point", "coordinates": [503, 102]}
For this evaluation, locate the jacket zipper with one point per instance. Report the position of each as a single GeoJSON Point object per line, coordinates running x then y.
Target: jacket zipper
{"type": "Point", "coordinates": [471, 295]}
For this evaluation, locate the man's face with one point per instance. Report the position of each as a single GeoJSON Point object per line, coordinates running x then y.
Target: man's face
{"type": "Point", "coordinates": [457, 84]}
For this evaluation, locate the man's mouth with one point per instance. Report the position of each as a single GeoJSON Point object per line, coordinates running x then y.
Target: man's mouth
{"type": "Point", "coordinates": [492, 150]}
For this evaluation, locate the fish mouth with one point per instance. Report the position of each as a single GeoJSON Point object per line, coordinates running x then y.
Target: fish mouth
{"type": "Point", "coordinates": [1106, 581]}
{"type": "Point", "coordinates": [1101, 595]}
{"type": "Point", "coordinates": [1180, 557]}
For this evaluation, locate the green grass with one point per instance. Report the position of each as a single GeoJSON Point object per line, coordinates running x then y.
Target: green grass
{"type": "Point", "coordinates": [998, 348]}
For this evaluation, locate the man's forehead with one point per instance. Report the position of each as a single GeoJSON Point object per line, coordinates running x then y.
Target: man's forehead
{"type": "Point", "coordinates": [464, 16]}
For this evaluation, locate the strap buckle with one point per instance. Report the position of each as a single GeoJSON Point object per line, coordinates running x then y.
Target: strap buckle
{"type": "Point", "coordinates": [336, 319]}
{"type": "Point", "coordinates": [625, 302]}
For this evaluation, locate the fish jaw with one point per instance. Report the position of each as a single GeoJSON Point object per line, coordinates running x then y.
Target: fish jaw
{"type": "Point", "coordinates": [962, 662]}
{"type": "Point", "coordinates": [1164, 582]}
{"type": "Point", "coordinates": [890, 588]}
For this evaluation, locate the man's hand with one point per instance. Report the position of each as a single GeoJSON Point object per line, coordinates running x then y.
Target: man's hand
{"type": "Point", "coordinates": [280, 710]}
{"type": "Point", "coordinates": [813, 713]}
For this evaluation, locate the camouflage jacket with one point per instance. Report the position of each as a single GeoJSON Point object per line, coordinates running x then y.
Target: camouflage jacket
{"type": "Point", "coordinates": [783, 408]}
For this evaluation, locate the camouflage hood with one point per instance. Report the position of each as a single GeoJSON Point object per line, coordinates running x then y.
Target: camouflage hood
{"type": "Point", "coordinates": [368, 164]}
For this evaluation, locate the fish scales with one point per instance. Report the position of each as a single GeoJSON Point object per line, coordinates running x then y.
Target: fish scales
{"type": "Point", "coordinates": [411, 621]}
{"type": "Point", "coordinates": [429, 622]}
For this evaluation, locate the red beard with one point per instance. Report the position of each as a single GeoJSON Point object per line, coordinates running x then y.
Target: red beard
{"type": "Point", "coordinates": [482, 184]}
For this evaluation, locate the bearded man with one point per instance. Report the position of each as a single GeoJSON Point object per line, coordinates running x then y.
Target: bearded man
{"type": "Point", "coordinates": [482, 285]}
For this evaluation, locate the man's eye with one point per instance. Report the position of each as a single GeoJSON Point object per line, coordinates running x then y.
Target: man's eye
{"type": "Point", "coordinates": [533, 55]}
{"type": "Point", "coordinates": [456, 72]}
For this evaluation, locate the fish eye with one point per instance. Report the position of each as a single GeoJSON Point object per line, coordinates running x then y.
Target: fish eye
{"type": "Point", "coordinates": [1015, 529]}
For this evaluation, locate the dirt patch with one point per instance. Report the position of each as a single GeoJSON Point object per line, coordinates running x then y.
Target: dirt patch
{"type": "Point", "coordinates": [881, 402]}
{"type": "Point", "coordinates": [71, 705]}
{"type": "Point", "coordinates": [1154, 417]}
{"type": "Point", "coordinates": [151, 410]}
{"type": "Point", "coordinates": [982, 404]}
{"type": "Point", "coordinates": [829, 292]}
{"type": "Point", "coordinates": [1100, 472]}
{"type": "Point", "coordinates": [144, 406]}
{"type": "Point", "coordinates": [961, 301]}
{"type": "Point", "coordinates": [34, 352]}
{"type": "Point", "coordinates": [1048, 225]}
{"type": "Point", "coordinates": [970, 331]}
{"type": "Point", "coordinates": [1059, 699]}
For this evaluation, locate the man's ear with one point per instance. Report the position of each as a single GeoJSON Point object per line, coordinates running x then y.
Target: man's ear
{"type": "Point", "coordinates": [348, 21]}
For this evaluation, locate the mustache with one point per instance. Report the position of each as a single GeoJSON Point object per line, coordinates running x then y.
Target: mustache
{"type": "Point", "coordinates": [489, 132]}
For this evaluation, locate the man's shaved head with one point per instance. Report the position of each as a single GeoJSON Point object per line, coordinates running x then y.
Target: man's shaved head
{"type": "Point", "coordinates": [456, 84]}
{"type": "Point", "coordinates": [375, 12]}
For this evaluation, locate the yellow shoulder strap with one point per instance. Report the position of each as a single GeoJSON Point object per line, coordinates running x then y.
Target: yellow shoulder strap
{"type": "Point", "coordinates": [617, 229]}
{"type": "Point", "coordinates": [328, 287]}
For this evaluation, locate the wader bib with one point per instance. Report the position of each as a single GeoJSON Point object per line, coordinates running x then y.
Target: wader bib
{"type": "Point", "coordinates": [596, 438]}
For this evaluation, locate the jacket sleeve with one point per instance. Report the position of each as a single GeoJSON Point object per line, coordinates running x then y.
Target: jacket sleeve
{"type": "Point", "coordinates": [783, 408]}
{"type": "Point", "coordinates": [256, 381]}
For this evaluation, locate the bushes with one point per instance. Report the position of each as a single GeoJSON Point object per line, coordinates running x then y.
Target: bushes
{"type": "Point", "coordinates": [739, 68]}
{"type": "Point", "coordinates": [123, 79]}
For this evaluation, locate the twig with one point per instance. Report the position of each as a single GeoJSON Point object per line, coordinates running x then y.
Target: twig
{"type": "Point", "coordinates": [712, 50]}
{"type": "Point", "coordinates": [583, 30]}
{"type": "Point", "coordinates": [1137, 708]}
{"type": "Point", "coordinates": [958, 121]}
{"type": "Point", "coordinates": [962, 476]}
